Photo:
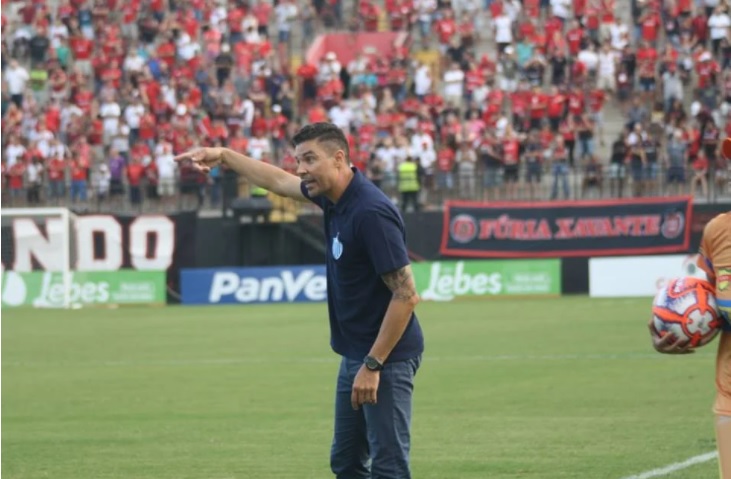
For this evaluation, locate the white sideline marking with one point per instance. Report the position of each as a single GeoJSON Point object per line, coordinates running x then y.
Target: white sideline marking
{"type": "Point", "coordinates": [333, 358]}
{"type": "Point", "coordinates": [664, 471]}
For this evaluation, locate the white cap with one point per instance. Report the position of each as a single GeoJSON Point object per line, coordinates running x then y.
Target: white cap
{"type": "Point", "coordinates": [695, 108]}
{"type": "Point", "coordinates": [705, 56]}
{"type": "Point", "coordinates": [276, 108]}
{"type": "Point", "coordinates": [181, 109]}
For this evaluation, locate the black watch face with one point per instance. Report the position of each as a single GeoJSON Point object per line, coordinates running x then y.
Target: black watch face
{"type": "Point", "coordinates": [372, 364]}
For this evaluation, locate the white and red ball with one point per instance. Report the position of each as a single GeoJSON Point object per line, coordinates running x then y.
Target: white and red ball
{"type": "Point", "coordinates": [686, 308]}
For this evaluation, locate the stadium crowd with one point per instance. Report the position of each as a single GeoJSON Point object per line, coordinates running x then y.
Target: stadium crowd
{"type": "Point", "coordinates": [98, 96]}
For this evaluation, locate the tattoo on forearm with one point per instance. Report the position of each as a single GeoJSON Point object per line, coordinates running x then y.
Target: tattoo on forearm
{"type": "Point", "coordinates": [401, 283]}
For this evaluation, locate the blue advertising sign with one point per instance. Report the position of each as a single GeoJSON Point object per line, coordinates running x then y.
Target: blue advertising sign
{"type": "Point", "coordinates": [277, 284]}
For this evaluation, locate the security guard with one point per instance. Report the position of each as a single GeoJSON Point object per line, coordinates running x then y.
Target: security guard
{"type": "Point", "coordinates": [258, 192]}
{"type": "Point", "coordinates": [260, 203]}
{"type": "Point", "coordinates": [408, 183]}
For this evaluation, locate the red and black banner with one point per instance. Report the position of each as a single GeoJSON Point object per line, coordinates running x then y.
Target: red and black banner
{"type": "Point", "coordinates": [567, 228]}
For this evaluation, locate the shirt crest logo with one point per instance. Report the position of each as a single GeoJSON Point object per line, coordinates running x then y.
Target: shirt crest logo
{"type": "Point", "coordinates": [337, 247]}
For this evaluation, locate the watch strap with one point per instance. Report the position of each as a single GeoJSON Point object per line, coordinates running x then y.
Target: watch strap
{"type": "Point", "coordinates": [372, 363]}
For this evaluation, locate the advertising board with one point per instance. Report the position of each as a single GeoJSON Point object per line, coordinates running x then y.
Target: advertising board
{"type": "Point", "coordinates": [45, 289]}
{"type": "Point", "coordinates": [276, 284]}
{"type": "Point", "coordinates": [446, 280]}
{"type": "Point", "coordinates": [637, 276]}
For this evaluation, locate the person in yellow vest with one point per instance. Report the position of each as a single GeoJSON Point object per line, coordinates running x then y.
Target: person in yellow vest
{"type": "Point", "coordinates": [408, 183]}
{"type": "Point", "coordinates": [258, 192]}
{"type": "Point", "coordinates": [260, 202]}
{"type": "Point", "coordinates": [260, 197]}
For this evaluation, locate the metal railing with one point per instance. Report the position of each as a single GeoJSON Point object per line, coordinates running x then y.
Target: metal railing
{"type": "Point", "coordinates": [217, 195]}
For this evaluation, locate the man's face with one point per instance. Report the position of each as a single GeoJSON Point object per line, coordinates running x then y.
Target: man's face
{"type": "Point", "coordinates": [318, 165]}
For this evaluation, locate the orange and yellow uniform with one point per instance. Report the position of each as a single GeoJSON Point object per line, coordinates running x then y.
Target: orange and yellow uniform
{"type": "Point", "coordinates": [715, 260]}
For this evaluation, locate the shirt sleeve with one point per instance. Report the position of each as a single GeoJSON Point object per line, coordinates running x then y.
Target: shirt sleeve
{"type": "Point", "coordinates": [383, 236]}
{"type": "Point", "coordinates": [705, 252]}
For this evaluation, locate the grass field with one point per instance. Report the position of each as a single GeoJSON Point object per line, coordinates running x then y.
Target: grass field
{"type": "Point", "coordinates": [530, 388]}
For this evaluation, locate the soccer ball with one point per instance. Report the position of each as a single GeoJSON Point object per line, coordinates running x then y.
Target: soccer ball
{"type": "Point", "coordinates": [686, 308]}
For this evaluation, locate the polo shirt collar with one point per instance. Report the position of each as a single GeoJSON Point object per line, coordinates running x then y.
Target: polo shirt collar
{"type": "Point", "coordinates": [349, 193]}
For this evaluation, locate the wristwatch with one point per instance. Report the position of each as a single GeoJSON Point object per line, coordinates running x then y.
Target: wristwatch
{"type": "Point", "coordinates": [372, 363]}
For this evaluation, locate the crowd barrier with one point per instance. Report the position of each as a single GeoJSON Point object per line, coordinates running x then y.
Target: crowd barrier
{"type": "Point", "coordinates": [478, 185]}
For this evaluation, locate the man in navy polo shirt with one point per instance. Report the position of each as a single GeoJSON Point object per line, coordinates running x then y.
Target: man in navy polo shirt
{"type": "Point", "coordinates": [371, 297]}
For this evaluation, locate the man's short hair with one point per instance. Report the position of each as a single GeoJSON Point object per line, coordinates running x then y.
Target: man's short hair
{"type": "Point", "coordinates": [323, 133]}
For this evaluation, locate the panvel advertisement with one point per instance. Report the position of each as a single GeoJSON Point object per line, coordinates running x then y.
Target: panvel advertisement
{"type": "Point", "coordinates": [275, 284]}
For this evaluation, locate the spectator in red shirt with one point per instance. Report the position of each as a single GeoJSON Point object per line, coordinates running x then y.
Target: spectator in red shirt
{"type": "Point", "coordinates": [647, 59]}
{"type": "Point", "coordinates": [574, 38]}
{"type": "Point", "coordinates": [84, 99]}
{"type": "Point", "coordinates": [78, 181]}
{"type": "Point", "coordinates": [445, 168]}
{"type": "Point", "coordinates": [597, 97]}
{"type": "Point", "coordinates": [650, 26]}
{"type": "Point", "coordinates": [556, 108]}
{"type": "Point", "coordinates": [699, 27]}
{"type": "Point", "coordinates": [317, 114]}
{"type": "Point", "coordinates": [369, 13]}
{"type": "Point", "coordinates": [56, 178]}
{"type": "Point", "coordinates": [538, 108]}
{"type": "Point", "coordinates": [445, 28]}
{"type": "Point", "coordinates": [82, 49]}
{"type": "Point", "coordinates": [135, 173]}
{"type": "Point", "coordinates": [152, 179]}
{"type": "Point", "coordinates": [707, 70]}
{"type": "Point", "coordinates": [700, 174]}
{"type": "Point", "coordinates": [15, 180]}
{"type": "Point", "coordinates": [399, 13]}
{"type": "Point", "coordinates": [277, 126]}
{"type": "Point", "coordinates": [511, 161]}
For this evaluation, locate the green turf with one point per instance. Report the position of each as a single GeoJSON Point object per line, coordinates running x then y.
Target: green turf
{"type": "Point", "coordinates": [545, 388]}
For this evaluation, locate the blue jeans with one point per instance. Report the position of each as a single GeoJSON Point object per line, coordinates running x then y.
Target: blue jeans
{"type": "Point", "coordinates": [56, 189]}
{"type": "Point", "coordinates": [78, 190]}
{"type": "Point", "coordinates": [560, 173]}
{"type": "Point", "coordinates": [587, 146]}
{"type": "Point", "coordinates": [374, 441]}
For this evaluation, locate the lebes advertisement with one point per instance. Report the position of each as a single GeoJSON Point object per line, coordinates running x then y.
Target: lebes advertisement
{"type": "Point", "coordinates": [447, 280]}
{"type": "Point", "coordinates": [43, 289]}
